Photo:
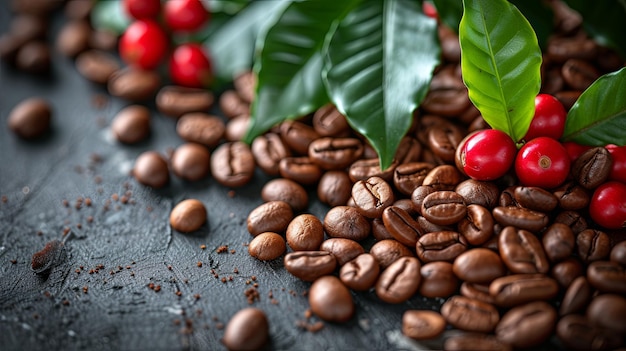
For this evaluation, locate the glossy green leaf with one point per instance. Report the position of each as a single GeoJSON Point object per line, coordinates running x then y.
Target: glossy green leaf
{"type": "Point", "coordinates": [289, 69]}
{"type": "Point", "coordinates": [598, 117]}
{"type": "Point", "coordinates": [500, 61]}
{"type": "Point", "coordinates": [450, 12]}
{"type": "Point", "coordinates": [110, 15]}
{"type": "Point", "coordinates": [378, 68]}
{"type": "Point", "coordinates": [229, 7]}
{"type": "Point", "coordinates": [231, 46]}
{"type": "Point", "coordinates": [540, 16]}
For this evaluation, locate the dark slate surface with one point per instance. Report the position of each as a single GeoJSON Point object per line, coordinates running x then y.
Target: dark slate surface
{"type": "Point", "coordinates": [114, 308]}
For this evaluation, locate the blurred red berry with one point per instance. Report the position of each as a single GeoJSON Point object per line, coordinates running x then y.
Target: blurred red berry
{"type": "Point", "coordinates": [190, 66]}
{"type": "Point", "coordinates": [185, 15]}
{"type": "Point", "coordinates": [143, 44]}
{"type": "Point", "coordinates": [142, 9]}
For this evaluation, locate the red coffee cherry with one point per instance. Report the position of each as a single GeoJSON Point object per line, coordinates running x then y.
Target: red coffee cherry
{"type": "Point", "coordinates": [185, 15]}
{"type": "Point", "coordinates": [549, 118]}
{"type": "Point", "coordinates": [143, 44]}
{"type": "Point", "coordinates": [608, 205]}
{"type": "Point", "coordinates": [486, 155]}
{"type": "Point", "coordinates": [190, 66]}
{"type": "Point", "coordinates": [542, 162]}
{"type": "Point", "coordinates": [618, 170]}
{"type": "Point", "coordinates": [142, 9]}
{"type": "Point", "coordinates": [574, 150]}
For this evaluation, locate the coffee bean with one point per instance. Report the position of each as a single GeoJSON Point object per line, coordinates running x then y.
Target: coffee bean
{"type": "Point", "coordinates": [133, 84]}
{"type": "Point", "coordinates": [73, 38]}
{"type": "Point", "coordinates": [516, 289]}
{"type": "Point", "coordinates": [560, 49]}
{"type": "Point", "coordinates": [469, 314]}
{"type": "Point", "coordinates": [573, 220]}
{"type": "Point", "coordinates": [363, 169]}
{"type": "Point", "coordinates": [328, 121]}
{"type": "Point", "coordinates": [558, 242]}
{"type": "Point", "coordinates": [408, 176]}
{"type": "Point", "coordinates": [334, 188]}
{"type": "Point", "coordinates": [477, 291]}
{"type": "Point", "coordinates": [271, 216]}
{"type": "Point", "coordinates": [33, 57]}
{"type": "Point", "coordinates": [608, 311]}
{"type": "Point", "coordinates": [593, 245]}
{"type": "Point", "coordinates": [268, 151]}
{"type": "Point", "coordinates": [346, 222]}
{"type": "Point", "coordinates": [566, 271]}
{"type": "Point", "coordinates": [443, 207]}
{"type": "Point", "coordinates": [438, 280]}
{"type": "Point", "coordinates": [577, 333]}
{"type": "Point", "coordinates": [520, 217]}
{"type": "Point", "coordinates": [618, 253]}
{"type": "Point", "coordinates": [399, 281]}
{"type": "Point", "coordinates": [568, 98]}
{"type": "Point", "coordinates": [191, 161]}
{"type": "Point", "coordinates": [286, 190]}
{"type": "Point", "coordinates": [409, 150]}
{"type": "Point", "coordinates": [201, 128]}
{"type": "Point", "coordinates": [419, 194]}
{"type": "Point", "coordinates": [440, 246]}
{"type": "Point", "coordinates": [388, 251]}
{"type": "Point", "coordinates": [103, 39]}
{"type": "Point", "coordinates": [607, 276]}
{"type": "Point", "coordinates": [248, 329]}
{"type": "Point", "coordinates": [572, 196]}
{"type": "Point", "coordinates": [343, 249]}
{"type": "Point", "coordinates": [447, 95]}
{"type": "Point", "coordinates": [331, 300]}
{"type": "Point", "coordinates": [298, 136]}
{"type": "Point", "coordinates": [477, 226]}
{"type": "Point", "coordinates": [379, 232]}
{"type": "Point", "coordinates": [522, 252]}
{"type": "Point", "coordinates": [232, 164]}
{"type": "Point", "coordinates": [245, 84]}
{"type": "Point", "coordinates": [478, 265]}
{"type": "Point", "coordinates": [422, 324]}
{"type": "Point", "coordinates": [305, 233]}
{"type": "Point", "coordinates": [310, 265]}
{"type": "Point", "coordinates": [576, 298]}
{"type": "Point", "coordinates": [175, 101]}
{"type": "Point", "coordinates": [300, 169]}
{"type": "Point", "coordinates": [478, 192]}
{"type": "Point", "coordinates": [475, 341]}
{"type": "Point", "coordinates": [96, 65]}
{"type": "Point", "coordinates": [535, 198]}
{"type": "Point", "coordinates": [401, 225]}
{"type": "Point", "coordinates": [237, 127]}
{"type": "Point", "coordinates": [444, 139]}
{"type": "Point", "coordinates": [592, 168]}
{"type": "Point", "coordinates": [232, 105]}
{"type": "Point", "coordinates": [151, 169]}
{"type": "Point", "coordinates": [335, 153]}
{"type": "Point", "coordinates": [443, 177]}
{"type": "Point", "coordinates": [30, 119]}
{"type": "Point", "coordinates": [131, 124]}
{"type": "Point", "coordinates": [188, 216]}
{"type": "Point", "coordinates": [507, 197]}
{"type": "Point", "coordinates": [527, 325]}
{"type": "Point", "coordinates": [579, 74]}
{"type": "Point", "coordinates": [267, 246]}
{"type": "Point", "coordinates": [360, 273]}
{"type": "Point", "coordinates": [450, 47]}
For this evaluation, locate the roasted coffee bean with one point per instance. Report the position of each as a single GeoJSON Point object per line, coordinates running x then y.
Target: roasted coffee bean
{"type": "Point", "coordinates": [78, 9]}
{"type": "Point", "coordinates": [527, 325]}
{"type": "Point", "coordinates": [572, 196]}
{"type": "Point", "coordinates": [133, 84]}
{"type": "Point", "coordinates": [520, 217]}
{"type": "Point", "coordinates": [96, 65]}
{"type": "Point", "coordinates": [407, 205]}
{"type": "Point", "coordinates": [400, 281]}
{"type": "Point", "coordinates": [366, 168]}
{"type": "Point", "coordinates": [245, 84]}
{"type": "Point", "coordinates": [477, 192]}
{"type": "Point", "coordinates": [440, 246]}
{"type": "Point", "coordinates": [579, 74]}
{"type": "Point", "coordinates": [232, 164]}
{"type": "Point", "coordinates": [346, 222]}
{"type": "Point", "coordinates": [267, 246]}
{"type": "Point", "coordinates": [469, 314]}
{"type": "Point", "coordinates": [438, 280]}
{"type": "Point", "coordinates": [522, 252]}
{"type": "Point", "coordinates": [447, 95]}
{"type": "Point", "coordinates": [577, 297]}
{"type": "Point", "coordinates": [401, 225]}
{"type": "Point", "coordinates": [418, 195]}
{"type": "Point", "coordinates": [379, 232]}
{"type": "Point", "coordinates": [27, 27]}
{"type": "Point", "coordinates": [573, 220]}
{"type": "Point", "coordinates": [444, 139]}
{"type": "Point", "coordinates": [592, 168]}
{"type": "Point", "coordinates": [33, 57]}
{"type": "Point", "coordinates": [507, 197]}
{"type": "Point", "coordinates": [335, 153]}
{"type": "Point", "coordinates": [300, 169]}
{"type": "Point", "coordinates": [443, 207]}
{"type": "Point", "coordinates": [298, 136]}
{"type": "Point", "coordinates": [305, 233]}
{"type": "Point", "coordinates": [73, 38]}
{"type": "Point", "coordinates": [566, 271]}
{"type": "Point", "coordinates": [151, 169]}
{"type": "Point", "coordinates": [360, 273]}
{"type": "Point", "coordinates": [191, 161]}
{"type": "Point", "coordinates": [331, 300]}
{"type": "Point", "coordinates": [558, 242]}
{"type": "Point", "coordinates": [516, 289]}
{"type": "Point", "coordinates": [608, 311]}
{"type": "Point", "coordinates": [310, 265]}
{"type": "Point", "coordinates": [577, 333]}
{"type": "Point", "coordinates": [248, 329]}
{"type": "Point", "coordinates": [478, 265]}
{"type": "Point", "coordinates": [232, 105]}
{"type": "Point", "coordinates": [188, 216]}
{"type": "Point", "coordinates": [477, 291]}
{"type": "Point", "coordinates": [35, 7]}
{"type": "Point", "coordinates": [450, 47]}
{"type": "Point", "coordinates": [343, 249]}
{"type": "Point", "coordinates": [9, 45]}
{"type": "Point", "coordinates": [607, 276]}
{"type": "Point", "coordinates": [409, 150]}
{"type": "Point", "coordinates": [477, 226]}
{"type": "Point", "coordinates": [388, 251]}
{"type": "Point", "coordinates": [201, 128]}
{"type": "Point", "coordinates": [131, 124]}
{"type": "Point", "coordinates": [271, 216]}
{"type": "Point", "coordinates": [429, 227]}
{"type": "Point", "coordinates": [443, 177]}
{"type": "Point", "coordinates": [422, 324]}
{"type": "Point", "coordinates": [328, 121]}
{"type": "Point", "coordinates": [560, 49]}
{"type": "Point", "coordinates": [30, 119]}
{"type": "Point", "coordinates": [237, 127]}
{"type": "Point", "coordinates": [268, 150]}
{"type": "Point", "coordinates": [103, 39]}
{"type": "Point", "coordinates": [408, 176]}
{"type": "Point", "coordinates": [175, 101]}
{"type": "Point", "coordinates": [618, 253]}
{"type": "Point", "coordinates": [593, 245]}
{"type": "Point", "coordinates": [475, 341]}
{"type": "Point", "coordinates": [334, 188]}
{"type": "Point", "coordinates": [535, 198]}
{"type": "Point", "coordinates": [286, 190]}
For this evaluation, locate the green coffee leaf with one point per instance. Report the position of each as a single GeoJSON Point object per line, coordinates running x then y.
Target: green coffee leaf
{"type": "Point", "coordinates": [289, 78]}
{"type": "Point", "coordinates": [450, 12]}
{"type": "Point", "coordinates": [500, 61]}
{"type": "Point", "coordinates": [540, 16]}
{"type": "Point", "coordinates": [598, 117]}
{"type": "Point", "coordinates": [110, 15]}
{"type": "Point", "coordinates": [378, 67]}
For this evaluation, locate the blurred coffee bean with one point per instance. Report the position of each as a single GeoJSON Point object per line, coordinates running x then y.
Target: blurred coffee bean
{"type": "Point", "coordinates": [201, 128]}
{"type": "Point", "coordinates": [175, 101]}
{"type": "Point", "coordinates": [131, 124]}
{"type": "Point", "coordinates": [151, 169]}
{"type": "Point", "coordinates": [30, 119]}
{"type": "Point", "coordinates": [579, 74]}
{"type": "Point", "coordinates": [96, 66]}
{"type": "Point", "coordinates": [191, 161]}
{"type": "Point", "coordinates": [134, 84]}
{"type": "Point", "coordinates": [73, 38]}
